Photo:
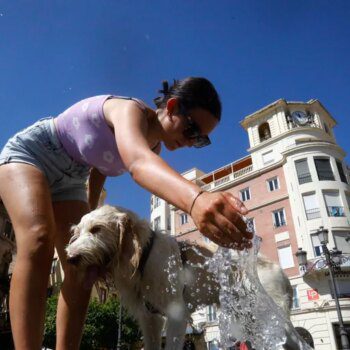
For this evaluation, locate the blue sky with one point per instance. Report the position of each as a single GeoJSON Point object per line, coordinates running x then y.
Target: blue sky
{"type": "Point", "coordinates": [53, 53]}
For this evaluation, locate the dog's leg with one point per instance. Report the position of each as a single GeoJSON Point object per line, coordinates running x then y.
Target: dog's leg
{"type": "Point", "coordinates": [151, 325]}
{"type": "Point", "coordinates": [176, 328]}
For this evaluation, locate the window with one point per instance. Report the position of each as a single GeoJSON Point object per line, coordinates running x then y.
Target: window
{"type": "Point", "coordinates": [343, 288]}
{"type": "Point", "coordinates": [156, 223]}
{"type": "Point", "coordinates": [213, 345]}
{"type": "Point", "coordinates": [245, 194]}
{"type": "Point", "coordinates": [183, 218]}
{"type": "Point", "coordinates": [267, 157]}
{"type": "Point", "coordinates": [211, 313]}
{"type": "Point", "coordinates": [279, 218]}
{"type": "Point", "coordinates": [333, 203]}
{"type": "Point", "coordinates": [156, 202]}
{"type": "Point", "coordinates": [340, 241]}
{"type": "Point", "coordinates": [264, 132]}
{"type": "Point", "coordinates": [326, 128]}
{"type": "Point", "coordinates": [347, 195]}
{"type": "Point", "coordinates": [285, 257]}
{"type": "Point", "coordinates": [303, 171]}
{"type": "Point", "coordinates": [317, 245]}
{"type": "Point", "coordinates": [324, 169]}
{"type": "Point", "coordinates": [312, 209]}
{"type": "Point", "coordinates": [336, 329]}
{"type": "Point", "coordinates": [273, 184]}
{"type": "Point", "coordinates": [295, 304]}
{"type": "Point", "coordinates": [168, 223]}
{"type": "Point", "coordinates": [251, 224]}
{"type": "Point", "coordinates": [341, 172]}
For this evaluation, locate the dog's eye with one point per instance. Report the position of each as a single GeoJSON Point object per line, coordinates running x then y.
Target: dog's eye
{"type": "Point", "coordinates": [94, 229]}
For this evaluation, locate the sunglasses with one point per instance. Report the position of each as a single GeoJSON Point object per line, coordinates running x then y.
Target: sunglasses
{"type": "Point", "coordinates": [193, 133]}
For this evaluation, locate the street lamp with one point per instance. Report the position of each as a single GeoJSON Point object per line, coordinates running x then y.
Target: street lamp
{"type": "Point", "coordinates": [119, 327]}
{"type": "Point", "coordinates": [333, 261]}
{"type": "Point", "coordinates": [302, 260]}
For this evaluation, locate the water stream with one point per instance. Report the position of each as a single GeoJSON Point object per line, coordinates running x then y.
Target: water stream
{"type": "Point", "coordinates": [248, 313]}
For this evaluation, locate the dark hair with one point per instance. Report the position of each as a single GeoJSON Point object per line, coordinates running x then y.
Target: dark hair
{"type": "Point", "coordinates": [192, 93]}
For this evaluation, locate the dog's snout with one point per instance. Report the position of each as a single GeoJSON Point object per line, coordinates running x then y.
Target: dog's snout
{"type": "Point", "coordinates": [74, 259]}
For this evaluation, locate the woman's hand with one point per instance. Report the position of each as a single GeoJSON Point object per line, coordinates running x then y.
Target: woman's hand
{"type": "Point", "coordinates": [218, 216]}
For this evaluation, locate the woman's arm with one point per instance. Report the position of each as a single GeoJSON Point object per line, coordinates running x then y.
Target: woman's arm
{"type": "Point", "coordinates": [95, 186]}
{"type": "Point", "coordinates": [216, 215]}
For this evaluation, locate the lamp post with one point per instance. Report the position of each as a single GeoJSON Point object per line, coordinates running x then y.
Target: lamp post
{"type": "Point", "coordinates": [119, 327]}
{"type": "Point", "coordinates": [333, 260]}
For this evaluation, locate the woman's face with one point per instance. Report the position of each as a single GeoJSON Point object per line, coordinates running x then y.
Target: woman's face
{"type": "Point", "coordinates": [174, 125]}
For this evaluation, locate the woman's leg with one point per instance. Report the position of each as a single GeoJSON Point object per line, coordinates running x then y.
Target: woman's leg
{"type": "Point", "coordinates": [25, 193]}
{"type": "Point", "coordinates": [74, 297]}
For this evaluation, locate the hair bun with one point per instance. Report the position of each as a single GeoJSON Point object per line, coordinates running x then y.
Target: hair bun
{"type": "Point", "coordinates": [165, 89]}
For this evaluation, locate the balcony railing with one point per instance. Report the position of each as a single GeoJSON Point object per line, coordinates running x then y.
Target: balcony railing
{"type": "Point", "coordinates": [304, 178]}
{"type": "Point", "coordinates": [227, 178]}
{"type": "Point", "coordinates": [222, 180]}
{"type": "Point", "coordinates": [313, 213]}
{"type": "Point", "coordinates": [206, 187]}
{"type": "Point", "coordinates": [325, 175]}
{"type": "Point", "coordinates": [243, 171]}
{"type": "Point", "coordinates": [335, 211]}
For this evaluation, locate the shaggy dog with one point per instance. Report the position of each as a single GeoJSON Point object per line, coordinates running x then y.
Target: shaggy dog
{"type": "Point", "coordinates": [156, 276]}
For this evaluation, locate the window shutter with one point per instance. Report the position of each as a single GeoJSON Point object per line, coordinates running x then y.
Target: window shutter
{"type": "Point", "coordinates": [310, 201]}
{"type": "Point", "coordinates": [285, 257]}
{"type": "Point", "coordinates": [302, 167]}
{"type": "Point", "coordinates": [332, 199]}
{"type": "Point", "coordinates": [324, 169]}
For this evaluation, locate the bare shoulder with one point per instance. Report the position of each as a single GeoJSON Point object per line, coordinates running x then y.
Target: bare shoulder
{"type": "Point", "coordinates": [116, 108]}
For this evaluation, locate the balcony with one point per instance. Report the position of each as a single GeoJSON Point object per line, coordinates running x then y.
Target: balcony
{"type": "Point", "coordinates": [222, 181]}
{"type": "Point", "coordinates": [304, 178]}
{"type": "Point", "coordinates": [227, 178]}
{"type": "Point", "coordinates": [335, 211]}
{"type": "Point", "coordinates": [313, 213]}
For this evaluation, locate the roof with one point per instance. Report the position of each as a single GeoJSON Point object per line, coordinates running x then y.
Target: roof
{"type": "Point", "coordinates": [283, 103]}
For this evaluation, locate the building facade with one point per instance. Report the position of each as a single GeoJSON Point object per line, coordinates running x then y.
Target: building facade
{"type": "Point", "coordinates": [293, 180]}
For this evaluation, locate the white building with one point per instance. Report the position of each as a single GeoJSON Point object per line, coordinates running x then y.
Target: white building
{"type": "Point", "coordinates": [293, 152]}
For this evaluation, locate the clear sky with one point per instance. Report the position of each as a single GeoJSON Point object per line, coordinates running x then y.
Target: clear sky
{"type": "Point", "coordinates": [54, 53]}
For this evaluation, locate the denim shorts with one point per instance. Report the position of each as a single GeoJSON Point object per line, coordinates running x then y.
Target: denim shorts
{"type": "Point", "coordinates": [39, 146]}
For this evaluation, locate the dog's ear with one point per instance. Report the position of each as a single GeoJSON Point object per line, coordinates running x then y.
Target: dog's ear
{"type": "Point", "coordinates": [129, 243]}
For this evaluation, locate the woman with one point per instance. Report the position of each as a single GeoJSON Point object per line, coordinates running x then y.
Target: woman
{"type": "Point", "coordinates": [42, 184]}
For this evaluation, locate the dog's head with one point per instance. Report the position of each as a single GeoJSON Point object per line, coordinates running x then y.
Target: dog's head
{"type": "Point", "coordinates": [107, 237]}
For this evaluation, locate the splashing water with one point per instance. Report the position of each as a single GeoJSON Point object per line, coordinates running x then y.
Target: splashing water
{"type": "Point", "coordinates": [244, 304]}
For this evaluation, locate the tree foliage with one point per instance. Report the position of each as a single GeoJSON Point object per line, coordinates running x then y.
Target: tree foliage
{"type": "Point", "coordinates": [101, 326]}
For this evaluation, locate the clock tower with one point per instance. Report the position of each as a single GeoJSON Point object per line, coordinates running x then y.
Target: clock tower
{"type": "Point", "coordinates": [282, 125]}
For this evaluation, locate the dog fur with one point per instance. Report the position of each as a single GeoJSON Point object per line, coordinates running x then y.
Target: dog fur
{"type": "Point", "coordinates": [174, 282]}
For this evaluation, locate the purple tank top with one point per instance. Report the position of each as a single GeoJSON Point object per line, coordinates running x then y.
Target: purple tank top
{"type": "Point", "coordinates": [87, 138]}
